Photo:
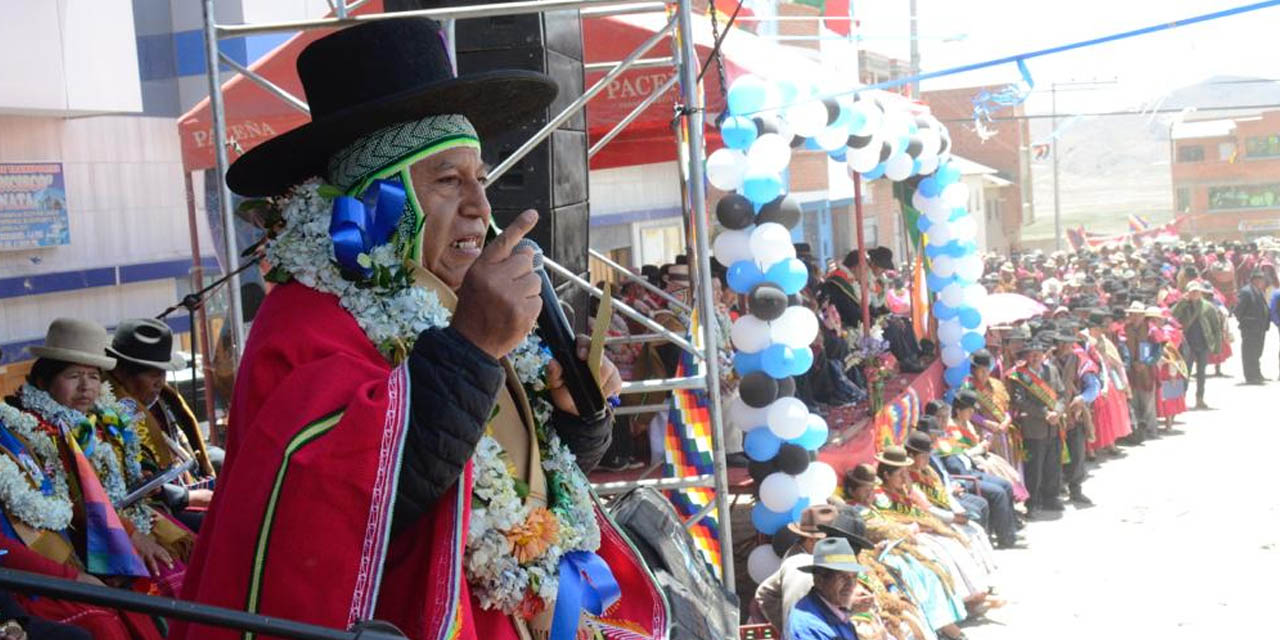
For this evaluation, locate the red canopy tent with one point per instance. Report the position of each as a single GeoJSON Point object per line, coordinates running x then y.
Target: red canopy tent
{"type": "Point", "coordinates": [254, 115]}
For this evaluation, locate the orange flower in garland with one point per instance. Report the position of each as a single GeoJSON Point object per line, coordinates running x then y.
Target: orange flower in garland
{"type": "Point", "coordinates": [531, 539]}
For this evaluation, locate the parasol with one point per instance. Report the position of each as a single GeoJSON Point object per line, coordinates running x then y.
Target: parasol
{"type": "Point", "coordinates": [1008, 308]}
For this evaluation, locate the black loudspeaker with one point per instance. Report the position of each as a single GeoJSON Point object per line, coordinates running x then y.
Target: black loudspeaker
{"type": "Point", "coordinates": [553, 177]}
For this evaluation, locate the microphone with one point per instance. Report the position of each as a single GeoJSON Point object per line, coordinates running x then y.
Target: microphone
{"type": "Point", "coordinates": [554, 329]}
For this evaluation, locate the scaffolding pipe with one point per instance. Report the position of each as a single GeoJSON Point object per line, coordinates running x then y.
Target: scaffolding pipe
{"type": "Point", "coordinates": [625, 9]}
{"type": "Point", "coordinates": [624, 308]}
{"type": "Point", "coordinates": [270, 86]}
{"type": "Point", "coordinates": [631, 117]}
{"type": "Point", "coordinates": [218, 109]}
{"type": "Point", "coordinates": [441, 14]}
{"type": "Point", "coordinates": [697, 517]}
{"type": "Point", "coordinates": [649, 286]}
{"type": "Point", "coordinates": [639, 338]}
{"type": "Point", "coordinates": [635, 410]}
{"type": "Point", "coordinates": [663, 384]}
{"type": "Point", "coordinates": [693, 114]}
{"type": "Point", "coordinates": [642, 63]}
{"type": "Point", "coordinates": [661, 484]}
{"type": "Point", "coordinates": [496, 173]}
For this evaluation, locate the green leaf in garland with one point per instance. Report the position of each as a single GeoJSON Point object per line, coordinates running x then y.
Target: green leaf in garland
{"type": "Point", "coordinates": [328, 191]}
{"type": "Point", "coordinates": [521, 487]}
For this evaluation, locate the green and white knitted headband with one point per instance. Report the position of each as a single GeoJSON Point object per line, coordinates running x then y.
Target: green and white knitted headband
{"type": "Point", "coordinates": [389, 152]}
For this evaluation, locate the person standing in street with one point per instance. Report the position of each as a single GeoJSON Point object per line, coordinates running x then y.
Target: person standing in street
{"type": "Point", "coordinates": [1081, 377]}
{"type": "Point", "coordinates": [1034, 387]}
{"type": "Point", "coordinates": [1202, 330]}
{"type": "Point", "coordinates": [1254, 320]}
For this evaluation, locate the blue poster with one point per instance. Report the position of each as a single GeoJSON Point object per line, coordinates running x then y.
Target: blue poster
{"type": "Point", "coordinates": [33, 206]}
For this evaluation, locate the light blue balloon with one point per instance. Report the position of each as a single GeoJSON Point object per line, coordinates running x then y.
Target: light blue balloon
{"type": "Point", "coordinates": [743, 275]}
{"type": "Point", "coordinates": [957, 213]}
{"type": "Point", "coordinates": [959, 249]}
{"type": "Point", "coordinates": [747, 95]}
{"type": "Point", "coordinates": [815, 434]}
{"type": "Point", "coordinates": [936, 282]}
{"type": "Point", "coordinates": [738, 132]}
{"type": "Point", "coordinates": [790, 275]}
{"type": "Point", "coordinates": [942, 311]}
{"type": "Point", "coordinates": [923, 223]}
{"type": "Point", "coordinates": [839, 155]}
{"type": "Point", "coordinates": [947, 174]}
{"type": "Point", "coordinates": [766, 521]}
{"type": "Point", "coordinates": [969, 317]}
{"type": "Point", "coordinates": [875, 173]}
{"type": "Point", "coordinates": [778, 360]}
{"type": "Point", "coordinates": [803, 360]}
{"type": "Point", "coordinates": [915, 167]}
{"type": "Point", "coordinates": [972, 341]}
{"type": "Point", "coordinates": [929, 187]}
{"type": "Point", "coordinates": [762, 187]}
{"type": "Point", "coordinates": [812, 144]}
{"type": "Point", "coordinates": [787, 92]}
{"type": "Point", "coordinates": [745, 362]}
{"type": "Point", "coordinates": [857, 121]}
{"type": "Point", "coordinates": [760, 444]}
{"type": "Point", "coordinates": [930, 250]}
{"type": "Point", "coordinates": [949, 396]}
{"type": "Point", "coordinates": [798, 508]}
{"type": "Point", "coordinates": [955, 375]}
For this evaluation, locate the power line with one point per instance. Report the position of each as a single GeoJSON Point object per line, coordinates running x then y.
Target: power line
{"type": "Point", "coordinates": [1103, 114]}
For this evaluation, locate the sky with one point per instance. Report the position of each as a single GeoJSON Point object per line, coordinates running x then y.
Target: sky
{"type": "Point", "coordinates": [1138, 70]}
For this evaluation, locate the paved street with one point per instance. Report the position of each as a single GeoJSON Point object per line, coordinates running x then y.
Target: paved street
{"type": "Point", "coordinates": [1184, 541]}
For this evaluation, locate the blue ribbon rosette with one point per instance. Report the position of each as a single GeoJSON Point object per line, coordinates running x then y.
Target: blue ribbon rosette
{"type": "Point", "coordinates": [357, 225]}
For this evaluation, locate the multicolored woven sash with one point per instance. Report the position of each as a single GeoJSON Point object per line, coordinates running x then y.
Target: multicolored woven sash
{"type": "Point", "coordinates": [1035, 385]}
{"type": "Point", "coordinates": [986, 400]}
{"type": "Point", "coordinates": [930, 483]}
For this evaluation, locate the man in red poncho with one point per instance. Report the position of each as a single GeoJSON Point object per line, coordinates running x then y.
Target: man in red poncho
{"type": "Point", "coordinates": [401, 447]}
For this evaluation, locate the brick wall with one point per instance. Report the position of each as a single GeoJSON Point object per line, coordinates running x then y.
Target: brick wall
{"type": "Point", "coordinates": [1228, 163]}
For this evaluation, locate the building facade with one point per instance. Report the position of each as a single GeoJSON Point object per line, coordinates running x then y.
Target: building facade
{"type": "Point", "coordinates": [1226, 176]}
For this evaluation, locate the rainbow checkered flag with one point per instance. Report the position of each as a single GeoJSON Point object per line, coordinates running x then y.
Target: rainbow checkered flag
{"type": "Point", "coordinates": [109, 552]}
{"type": "Point", "coordinates": [688, 452]}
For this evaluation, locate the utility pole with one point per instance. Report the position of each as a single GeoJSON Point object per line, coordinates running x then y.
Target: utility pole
{"type": "Point", "coordinates": [1053, 140]}
{"type": "Point", "coordinates": [915, 50]}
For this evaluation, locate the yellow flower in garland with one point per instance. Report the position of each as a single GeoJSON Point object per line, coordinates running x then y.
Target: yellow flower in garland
{"type": "Point", "coordinates": [530, 539]}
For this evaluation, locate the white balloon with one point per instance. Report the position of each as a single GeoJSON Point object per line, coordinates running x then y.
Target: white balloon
{"type": "Point", "coordinates": [769, 152]}
{"type": "Point", "coordinates": [939, 234]}
{"type": "Point", "coordinates": [797, 327]}
{"type": "Point", "coordinates": [898, 167]}
{"type": "Point", "coordinates": [928, 165]}
{"type": "Point", "coordinates": [865, 159]}
{"type": "Point", "coordinates": [779, 492]}
{"type": "Point", "coordinates": [931, 140]}
{"type": "Point", "coordinates": [807, 118]}
{"type": "Point", "coordinates": [746, 417]}
{"type": "Point", "coordinates": [750, 334]}
{"type": "Point", "coordinates": [788, 418]}
{"type": "Point", "coordinates": [937, 211]}
{"type": "Point", "coordinates": [919, 201]}
{"type": "Point", "coordinates": [950, 331]}
{"type": "Point", "coordinates": [762, 562]}
{"type": "Point", "coordinates": [726, 168]}
{"type": "Point", "coordinates": [771, 243]}
{"type": "Point", "coordinates": [956, 195]}
{"type": "Point", "coordinates": [969, 268]}
{"type": "Point", "coordinates": [818, 482]}
{"type": "Point", "coordinates": [832, 138]}
{"type": "Point", "coordinates": [952, 355]}
{"type": "Point", "coordinates": [952, 295]}
{"type": "Point", "coordinates": [965, 229]}
{"type": "Point", "coordinates": [732, 245]}
{"type": "Point", "coordinates": [944, 266]}
{"type": "Point", "coordinates": [974, 295]}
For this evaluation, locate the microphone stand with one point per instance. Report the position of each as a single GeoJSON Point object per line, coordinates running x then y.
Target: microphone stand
{"type": "Point", "coordinates": [191, 302]}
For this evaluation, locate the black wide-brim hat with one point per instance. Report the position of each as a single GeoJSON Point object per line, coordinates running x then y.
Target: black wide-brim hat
{"type": "Point", "coordinates": [373, 75]}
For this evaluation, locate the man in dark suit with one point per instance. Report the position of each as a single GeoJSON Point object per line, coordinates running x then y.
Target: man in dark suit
{"type": "Point", "coordinates": [1254, 319]}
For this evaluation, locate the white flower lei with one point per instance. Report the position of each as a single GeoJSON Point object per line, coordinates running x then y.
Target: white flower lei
{"type": "Point", "coordinates": [26, 503]}
{"type": "Point", "coordinates": [102, 456]}
{"type": "Point", "coordinates": [392, 316]}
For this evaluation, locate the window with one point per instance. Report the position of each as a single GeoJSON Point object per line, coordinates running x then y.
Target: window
{"type": "Point", "coordinates": [660, 242]}
{"type": "Point", "coordinates": [1227, 151]}
{"type": "Point", "coordinates": [1262, 146]}
{"type": "Point", "coordinates": [1191, 153]}
{"type": "Point", "coordinates": [1245, 196]}
{"type": "Point", "coordinates": [1183, 204]}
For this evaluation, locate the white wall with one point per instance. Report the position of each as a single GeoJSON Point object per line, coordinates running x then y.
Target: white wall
{"type": "Point", "coordinates": [68, 57]}
{"type": "Point", "coordinates": [637, 188]}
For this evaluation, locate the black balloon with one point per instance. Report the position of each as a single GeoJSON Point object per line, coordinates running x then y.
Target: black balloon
{"type": "Point", "coordinates": [758, 390]}
{"type": "Point", "coordinates": [767, 302]}
{"type": "Point", "coordinates": [784, 210]}
{"type": "Point", "coordinates": [923, 122]}
{"type": "Point", "coordinates": [734, 211]}
{"type": "Point", "coordinates": [833, 109]}
{"type": "Point", "coordinates": [766, 124]}
{"type": "Point", "coordinates": [783, 540]}
{"type": "Point", "coordinates": [858, 142]}
{"type": "Point", "coordinates": [792, 459]}
{"type": "Point", "coordinates": [787, 387]}
{"type": "Point", "coordinates": [797, 142]}
{"type": "Point", "coordinates": [794, 299]}
{"type": "Point", "coordinates": [759, 470]}
{"type": "Point", "coordinates": [886, 150]}
{"type": "Point", "coordinates": [914, 146]}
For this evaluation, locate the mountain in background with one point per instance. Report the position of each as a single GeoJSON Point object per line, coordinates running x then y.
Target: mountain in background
{"type": "Point", "coordinates": [1114, 166]}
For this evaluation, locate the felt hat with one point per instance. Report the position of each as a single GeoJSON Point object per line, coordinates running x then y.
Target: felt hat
{"type": "Point", "coordinates": [981, 358]}
{"type": "Point", "coordinates": [364, 78]}
{"type": "Point", "coordinates": [1098, 318]}
{"type": "Point", "coordinates": [813, 517]}
{"type": "Point", "coordinates": [861, 474]}
{"type": "Point", "coordinates": [77, 342]}
{"type": "Point", "coordinates": [894, 456]}
{"type": "Point", "coordinates": [1155, 312]}
{"type": "Point", "coordinates": [849, 526]}
{"type": "Point", "coordinates": [147, 342]}
{"type": "Point", "coordinates": [919, 441]}
{"type": "Point", "coordinates": [965, 399]}
{"type": "Point", "coordinates": [835, 554]}
{"type": "Point", "coordinates": [1195, 285]}
{"type": "Point", "coordinates": [1136, 308]}
{"type": "Point", "coordinates": [881, 257]}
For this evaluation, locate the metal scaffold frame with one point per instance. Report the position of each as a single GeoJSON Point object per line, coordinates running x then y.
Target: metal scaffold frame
{"type": "Point", "coordinates": [690, 116]}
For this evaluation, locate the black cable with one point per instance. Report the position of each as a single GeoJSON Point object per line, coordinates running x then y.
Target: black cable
{"type": "Point", "coordinates": [715, 51]}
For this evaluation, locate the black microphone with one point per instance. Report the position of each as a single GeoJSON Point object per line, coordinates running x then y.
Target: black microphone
{"type": "Point", "coordinates": [554, 329]}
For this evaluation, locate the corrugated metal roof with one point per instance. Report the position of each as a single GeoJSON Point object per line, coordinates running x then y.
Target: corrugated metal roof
{"type": "Point", "coordinates": [1203, 129]}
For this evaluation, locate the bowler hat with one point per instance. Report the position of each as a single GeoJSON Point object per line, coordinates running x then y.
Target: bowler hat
{"type": "Point", "coordinates": [835, 554]}
{"type": "Point", "coordinates": [147, 342]}
{"type": "Point", "coordinates": [881, 257]}
{"type": "Point", "coordinates": [849, 526]}
{"type": "Point", "coordinates": [77, 342]}
{"type": "Point", "coordinates": [367, 77]}
{"type": "Point", "coordinates": [965, 399]}
{"type": "Point", "coordinates": [861, 474]}
{"type": "Point", "coordinates": [813, 517]}
{"type": "Point", "coordinates": [894, 456]}
{"type": "Point", "coordinates": [919, 441]}
{"type": "Point", "coordinates": [981, 358]}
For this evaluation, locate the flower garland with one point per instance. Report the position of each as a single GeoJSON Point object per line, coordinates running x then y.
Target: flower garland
{"type": "Point", "coordinates": [513, 551]}
{"type": "Point", "coordinates": [34, 505]}
{"type": "Point", "coordinates": [100, 454]}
